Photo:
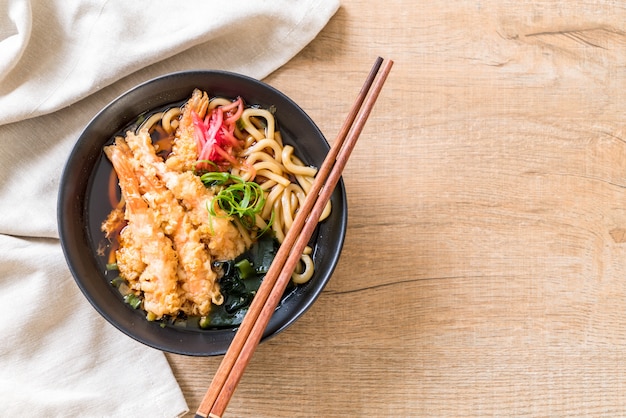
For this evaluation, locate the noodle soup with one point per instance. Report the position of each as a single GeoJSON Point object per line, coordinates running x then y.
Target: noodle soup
{"type": "Point", "coordinates": [84, 203]}
{"type": "Point", "coordinates": [192, 164]}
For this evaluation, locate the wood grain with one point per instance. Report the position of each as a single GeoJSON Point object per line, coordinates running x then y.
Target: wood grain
{"type": "Point", "coordinates": [484, 269]}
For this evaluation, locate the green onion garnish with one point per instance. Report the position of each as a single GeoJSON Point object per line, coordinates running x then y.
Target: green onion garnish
{"type": "Point", "coordinates": [117, 282]}
{"type": "Point", "coordinates": [245, 269]}
{"type": "Point", "coordinates": [214, 178]}
{"type": "Point", "coordinates": [204, 322]}
{"type": "Point", "coordinates": [195, 168]}
{"type": "Point", "coordinates": [242, 199]}
{"type": "Point", "coordinates": [133, 300]}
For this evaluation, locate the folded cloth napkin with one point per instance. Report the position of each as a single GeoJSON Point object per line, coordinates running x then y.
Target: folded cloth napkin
{"type": "Point", "coordinates": [60, 62]}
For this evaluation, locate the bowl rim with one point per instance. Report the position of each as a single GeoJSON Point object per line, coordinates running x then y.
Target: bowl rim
{"type": "Point", "coordinates": [73, 234]}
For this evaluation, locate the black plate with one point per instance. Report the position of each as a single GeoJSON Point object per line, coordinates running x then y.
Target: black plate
{"type": "Point", "coordinates": [78, 186]}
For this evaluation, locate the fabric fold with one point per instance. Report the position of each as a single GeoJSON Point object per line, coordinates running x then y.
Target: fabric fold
{"type": "Point", "coordinates": [15, 30]}
{"type": "Point", "coordinates": [78, 47]}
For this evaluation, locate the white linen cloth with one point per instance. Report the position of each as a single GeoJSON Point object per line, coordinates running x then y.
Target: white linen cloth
{"type": "Point", "coordinates": [60, 62]}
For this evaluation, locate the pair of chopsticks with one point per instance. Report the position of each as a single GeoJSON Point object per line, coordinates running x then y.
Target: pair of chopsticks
{"type": "Point", "coordinates": [268, 296]}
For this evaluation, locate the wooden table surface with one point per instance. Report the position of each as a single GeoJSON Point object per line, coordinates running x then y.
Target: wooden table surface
{"type": "Point", "coordinates": [484, 268]}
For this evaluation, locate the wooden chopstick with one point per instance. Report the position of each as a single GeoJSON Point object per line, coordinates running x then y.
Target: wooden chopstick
{"type": "Point", "coordinates": [270, 278]}
{"type": "Point", "coordinates": [269, 294]}
{"type": "Point", "coordinates": [281, 256]}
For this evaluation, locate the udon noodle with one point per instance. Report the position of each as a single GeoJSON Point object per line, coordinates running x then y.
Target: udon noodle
{"type": "Point", "coordinates": [255, 154]}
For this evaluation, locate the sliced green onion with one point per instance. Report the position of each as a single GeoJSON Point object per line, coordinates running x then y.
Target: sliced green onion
{"type": "Point", "coordinates": [204, 322]}
{"type": "Point", "coordinates": [245, 269]}
{"type": "Point", "coordinates": [241, 125]}
{"type": "Point", "coordinates": [243, 199]}
{"type": "Point", "coordinates": [214, 178]}
{"type": "Point", "coordinates": [112, 266]}
{"type": "Point", "coordinates": [197, 172]}
{"type": "Point", "coordinates": [269, 224]}
{"type": "Point", "coordinates": [117, 282]}
{"type": "Point", "coordinates": [133, 300]}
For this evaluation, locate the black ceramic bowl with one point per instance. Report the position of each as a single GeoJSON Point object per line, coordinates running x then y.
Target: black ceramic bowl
{"type": "Point", "coordinates": [79, 217]}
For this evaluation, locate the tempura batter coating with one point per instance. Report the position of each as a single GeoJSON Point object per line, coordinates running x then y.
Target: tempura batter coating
{"type": "Point", "coordinates": [184, 149]}
{"type": "Point", "coordinates": [146, 256]}
{"type": "Point", "coordinates": [174, 204]}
